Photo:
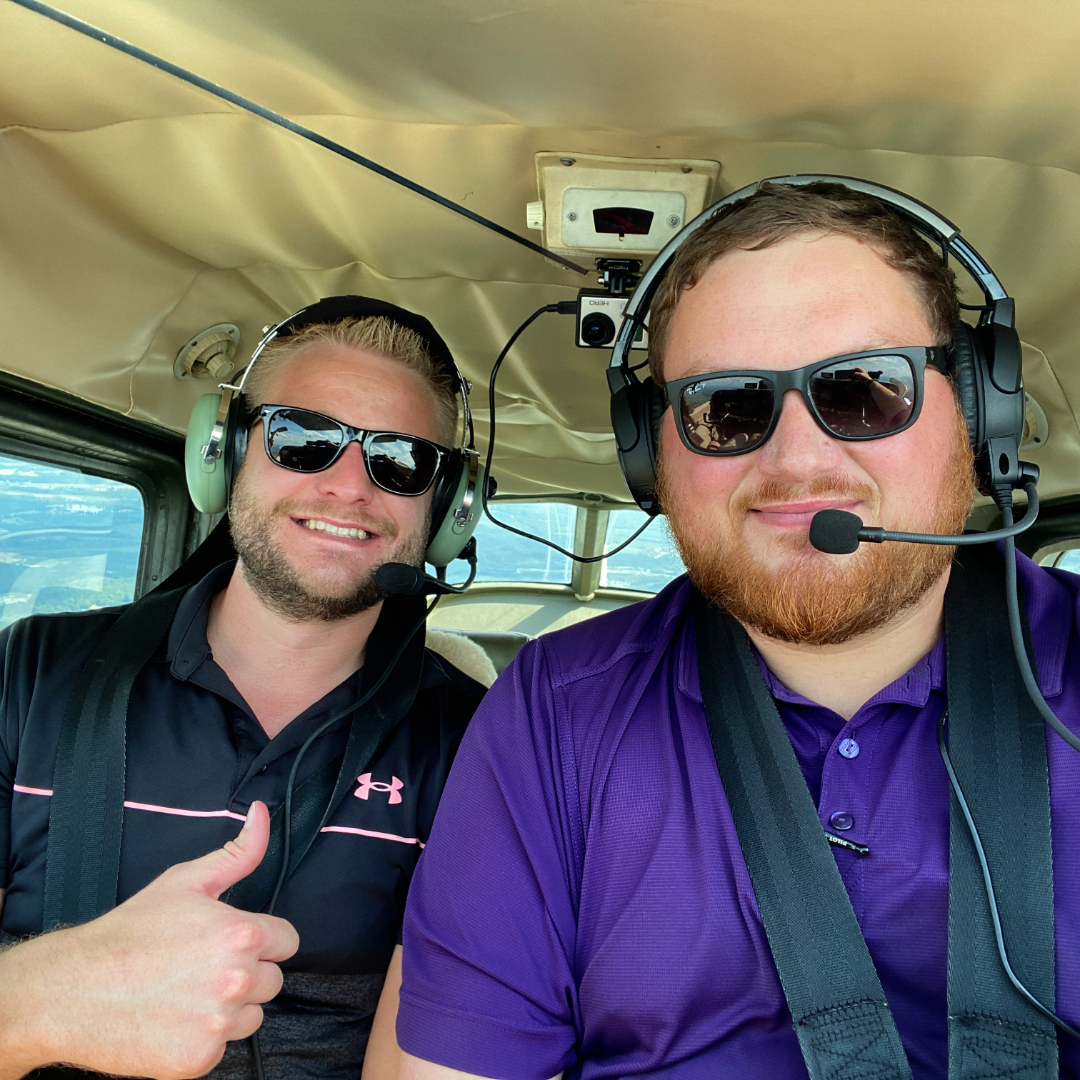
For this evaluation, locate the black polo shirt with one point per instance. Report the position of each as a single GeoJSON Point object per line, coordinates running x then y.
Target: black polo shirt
{"type": "Point", "coordinates": [197, 758]}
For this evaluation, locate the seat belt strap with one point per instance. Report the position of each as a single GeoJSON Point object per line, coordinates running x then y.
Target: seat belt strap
{"type": "Point", "coordinates": [838, 1008]}
{"type": "Point", "coordinates": [86, 815]}
{"type": "Point", "coordinates": [997, 743]}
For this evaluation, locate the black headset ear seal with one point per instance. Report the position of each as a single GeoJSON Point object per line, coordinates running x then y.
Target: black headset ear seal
{"type": "Point", "coordinates": [235, 440]}
{"type": "Point", "coordinates": [967, 367]}
{"type": "Point", "coordinates": [446, 485]}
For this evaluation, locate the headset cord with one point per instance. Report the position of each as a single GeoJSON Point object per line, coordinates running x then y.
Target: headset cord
{"type": "Point", "coordinates": [286, 846]}
{"type": "Point", "coordinates": [564, 307]}
{"type": "Point", "coordinates": [1012, 598]}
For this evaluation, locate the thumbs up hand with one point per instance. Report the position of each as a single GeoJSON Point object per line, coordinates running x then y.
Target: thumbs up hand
{"type": "Point", "coordinates": [156, 986]}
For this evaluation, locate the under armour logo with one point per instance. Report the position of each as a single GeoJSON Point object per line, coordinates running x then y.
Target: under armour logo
{"type": "Point", "coordinates": [367, 785]}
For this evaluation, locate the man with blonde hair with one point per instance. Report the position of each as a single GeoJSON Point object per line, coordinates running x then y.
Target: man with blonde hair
{"type": "Point", "coordinates": [278, 667]}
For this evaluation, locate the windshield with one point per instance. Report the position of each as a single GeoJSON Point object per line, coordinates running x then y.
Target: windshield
{"type": "Point", "coordinates": [647, 565]}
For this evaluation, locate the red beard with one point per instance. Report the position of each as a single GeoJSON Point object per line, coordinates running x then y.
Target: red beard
{"type": "Point", "coordinates": [815, 599]}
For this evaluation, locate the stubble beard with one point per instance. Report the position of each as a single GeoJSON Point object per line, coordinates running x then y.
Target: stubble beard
{"type": "Point", "coordinates": [279, 583]}
{"type": "Point", "coordinates": [813, 598]}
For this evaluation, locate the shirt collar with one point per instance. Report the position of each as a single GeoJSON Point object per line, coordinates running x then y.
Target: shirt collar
{"type": "Point", "coordinates": [187, 648]}
{"type": "Point", "coordinates": [912, 688]}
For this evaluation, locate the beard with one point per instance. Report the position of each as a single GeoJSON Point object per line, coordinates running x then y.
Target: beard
{"type": "Point", "coordinates": [813, 598]}
{"type": "Point", "coordinates": [282, 586]}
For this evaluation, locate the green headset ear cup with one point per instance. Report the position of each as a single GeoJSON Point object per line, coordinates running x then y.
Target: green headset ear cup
{"type": "Point", "coordinates": [207, 482]}
{"type": "Point", "coordinates": [449, 536]}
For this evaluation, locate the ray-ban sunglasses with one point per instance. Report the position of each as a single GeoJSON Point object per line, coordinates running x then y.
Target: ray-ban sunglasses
{"type": "Point", "coordinates": [859, 396]}
{"type": "Point", "coordinates": [304, 441]}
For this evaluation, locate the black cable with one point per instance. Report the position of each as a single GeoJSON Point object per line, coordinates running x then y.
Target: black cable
{"type": "Point", "coordinates": [286, 847]}
{"type": "Point", "coordinates": [1012, 599]}
{"type": "Point", "coordinates": [567, 307]}
{"type": "Point", "coordinates": [980, 852]}
{"type": "Point", "coordinates": [264, 113]}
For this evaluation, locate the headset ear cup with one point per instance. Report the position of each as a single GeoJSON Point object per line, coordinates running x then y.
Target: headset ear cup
{"type": "Point", "coordinates": [636, 410]}
{"type": "Point", "coordinates": [967, 367]}
{"type": "Point", "coordinates": [207, 481]}
{"type": "Point", "coordinates": [457, 496]}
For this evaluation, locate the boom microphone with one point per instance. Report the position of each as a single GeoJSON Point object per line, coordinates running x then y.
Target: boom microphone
{"type": "Point", "coordinates": [836, 532]}
{"type": "Point", "coordinates": [400, 579]}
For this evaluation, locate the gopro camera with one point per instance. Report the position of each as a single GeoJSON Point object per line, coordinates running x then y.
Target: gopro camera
{"type": "Point", "coordinates": [599, 317]}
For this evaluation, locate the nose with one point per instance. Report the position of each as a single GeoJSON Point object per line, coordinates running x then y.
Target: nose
{"type": "Point", "coordinates": [347, 479]}
{"type": "Point", "coordinates": [798, 450]}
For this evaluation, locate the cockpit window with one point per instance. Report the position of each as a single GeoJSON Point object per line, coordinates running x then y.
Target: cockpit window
{"type": "Point", "coordinates": [68, 541]}
{"type": "Point", "coordinates": [647, 565]}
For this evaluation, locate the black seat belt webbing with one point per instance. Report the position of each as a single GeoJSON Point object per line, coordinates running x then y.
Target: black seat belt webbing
{"type": "Point", "coordinates": [89, 777]}
{"type": "Point", "coordinates": [997, 744]}
{"type": "Point", "coordinates": [838, 1007]}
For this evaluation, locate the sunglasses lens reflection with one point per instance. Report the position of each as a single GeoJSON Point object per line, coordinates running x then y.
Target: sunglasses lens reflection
{"type": "Point", "coordinates": [724, 414]}
{"type": "Point", "coordinates": [302, 441]}
{"type": "Point", "coordinates": [402, 465]}
{"type": "Point", "coordinates": [864, 398]}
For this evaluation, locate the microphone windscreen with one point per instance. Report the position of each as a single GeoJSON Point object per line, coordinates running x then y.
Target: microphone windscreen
{"type": "Point", "coordinates": [835, 532]}
{"type": "Point", "coordinates": [399, 579]}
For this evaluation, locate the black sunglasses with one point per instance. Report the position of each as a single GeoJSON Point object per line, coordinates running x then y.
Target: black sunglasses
{"type": "Point", "coordinates": [859, 396]}
{"type": "Point", "coordinates": [308, 442]}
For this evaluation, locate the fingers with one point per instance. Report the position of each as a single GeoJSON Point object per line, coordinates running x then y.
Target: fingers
{"type": "Point", "coordinates": [223, 868]}
{"type": "Point", "coordinates": [248, 1021]}
{"type": "Point", "coordinates": [280, 939]}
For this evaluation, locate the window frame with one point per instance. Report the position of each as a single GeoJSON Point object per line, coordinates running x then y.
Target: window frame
{"type": "Point", "coordinates": [38, 423]}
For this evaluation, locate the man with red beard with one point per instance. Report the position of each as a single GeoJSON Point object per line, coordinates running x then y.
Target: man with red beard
{"type": "Point", "coordinates": [584, 905]}
{"type": "Point", "coordinates": [351, 416]}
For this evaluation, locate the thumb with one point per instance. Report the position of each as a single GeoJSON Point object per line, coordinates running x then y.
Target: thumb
{"type": "Point", "coordinates": [220, 869]}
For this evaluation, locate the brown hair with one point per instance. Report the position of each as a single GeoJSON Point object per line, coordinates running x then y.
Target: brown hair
{"type": "Point", "coordinates": [375, 334]}
{"type": "Point", "coordinates": [776, 211]}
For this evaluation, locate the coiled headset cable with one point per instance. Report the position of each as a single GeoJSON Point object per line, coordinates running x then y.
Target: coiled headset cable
{"type": "Point", "coordinates": [564, 307]}
{"type": "Point", "coordinates": [286, 846]}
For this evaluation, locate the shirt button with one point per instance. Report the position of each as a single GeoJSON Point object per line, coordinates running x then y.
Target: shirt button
{"type": "Point", "coordinates": [841, 821]}
{"type": "Point", "coordinates": [848, 748]}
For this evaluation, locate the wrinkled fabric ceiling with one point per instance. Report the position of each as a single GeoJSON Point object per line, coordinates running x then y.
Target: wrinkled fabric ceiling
{"type": "Point", "coordinates": [138, 210]}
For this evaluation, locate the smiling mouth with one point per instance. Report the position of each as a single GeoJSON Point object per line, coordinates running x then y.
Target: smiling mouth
{"type": "Point", "coordinates": [318, 525]}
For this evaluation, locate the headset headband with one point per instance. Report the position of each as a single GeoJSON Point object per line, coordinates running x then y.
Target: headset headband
{"type": "Point", "coordinates": [999, 306]}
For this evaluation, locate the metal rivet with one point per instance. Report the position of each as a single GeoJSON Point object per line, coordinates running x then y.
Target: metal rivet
{"type": "Point", "coordinates": [567, 160]}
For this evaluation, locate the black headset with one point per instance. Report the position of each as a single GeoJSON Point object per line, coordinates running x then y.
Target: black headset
{"type": "Point", "coordinates": [984, 360]}
{"type": "Point", "coordinates": [218, 429]}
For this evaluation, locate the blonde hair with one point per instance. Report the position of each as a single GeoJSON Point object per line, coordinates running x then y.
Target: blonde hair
{"type": "Point", "coordinates": [376, 334]}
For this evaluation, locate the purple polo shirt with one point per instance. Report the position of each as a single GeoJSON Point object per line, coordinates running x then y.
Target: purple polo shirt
{"type": "Point", "coordinates": [583, 904]}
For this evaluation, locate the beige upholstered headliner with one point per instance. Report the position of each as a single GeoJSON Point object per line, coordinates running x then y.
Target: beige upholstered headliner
{"type": "Point", "coordinates": [136, 210]}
